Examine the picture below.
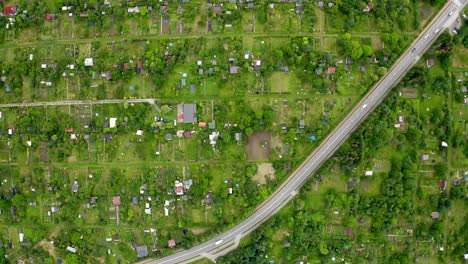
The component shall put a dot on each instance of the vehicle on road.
(436, 31)
(413, 50)
(218, 242)
(451, 13)
(364, 106)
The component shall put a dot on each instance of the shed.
(233, 70)
(75, 186)
(430, 63)
(142, 251)
(89, 62)
(435, 215)
(212, 125)
(301, 123)
(171, 243)
(116, 200)
(368, 173)
(331, 70)
(425, 157)
(71, 249)
(209, 199)
(443, 184)
(238, 136)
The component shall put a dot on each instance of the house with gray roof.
(212, 125)
(142, 251)
(190, 113)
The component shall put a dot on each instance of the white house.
(89, 62)
(71, 249)
(112, 122)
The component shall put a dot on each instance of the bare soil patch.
(258, 146)
(199, 230)
(72, 158)
(264, 171)
(409, 93)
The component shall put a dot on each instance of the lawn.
(280, 82)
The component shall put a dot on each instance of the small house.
(135, 200)
(180, 133)
(368, 173)
(435, 215)
(179, 188)
(430, 62)
(442, 184)
(209, 199)
(229, 191)
(50, 16)
(256, 64)
(212, 125)
(171, 243)
(139, 132)
(116, 200)
(169, 136)
(71, 249)
(75, 186)
(142, 251)
(238, 136)
(112, 122)
(213, 138)
(92, 200)
(89, 62)
(10, 10)
(188, 134)
(400, 119)
(202, 124)
(139, 65)
(11, 130)
(233, 70)
(425, 157)
(331, 70)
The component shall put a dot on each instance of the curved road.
(227, 241)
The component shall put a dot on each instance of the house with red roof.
(49, 16)
(10, 10)
(140, 66)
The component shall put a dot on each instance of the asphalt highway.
(222, 243)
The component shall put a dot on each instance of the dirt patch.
(409, 93)
(200, 230)
(280, 234)
(264, 171)
(44, 153)
(258, 146)
(72, 158)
